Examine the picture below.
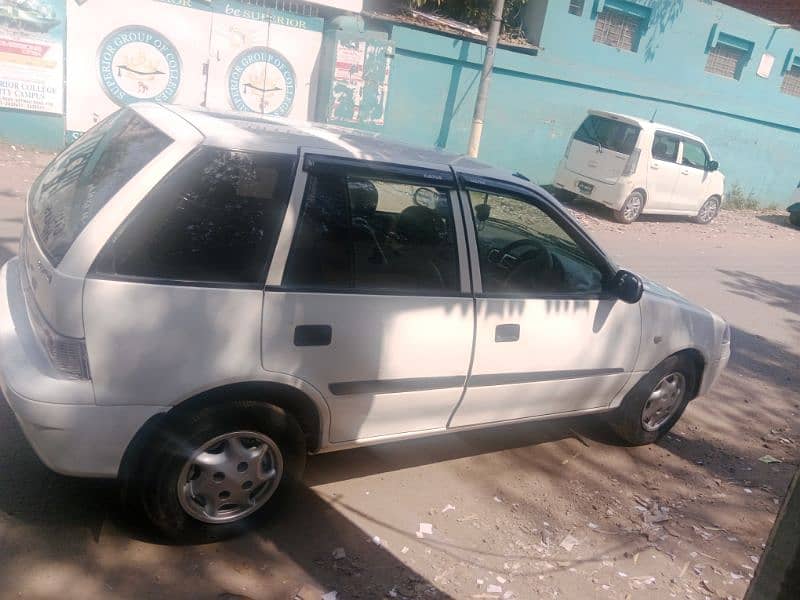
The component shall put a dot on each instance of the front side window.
(83, 178)
(694, 155)
(523, 251)
(608, 133)
(665, 147)
(215, 219)
(372, 234)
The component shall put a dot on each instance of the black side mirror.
(712, 165)
(627, 286)
(482, 212)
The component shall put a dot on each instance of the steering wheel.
(528, 266)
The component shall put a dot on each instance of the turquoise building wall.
(538, 98)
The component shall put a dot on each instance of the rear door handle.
(508, 332)
(313, 335)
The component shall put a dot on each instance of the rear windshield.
(608, 133)
(79, 182)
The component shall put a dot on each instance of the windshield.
(79, 182)
(608, 133)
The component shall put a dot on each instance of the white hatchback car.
(202, 299)
(637, 167)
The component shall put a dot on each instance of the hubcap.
(633, 207)
(664, 400)
(708, 211)
(230, 477)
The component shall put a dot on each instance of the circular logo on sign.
(138, 63)
(261, 80)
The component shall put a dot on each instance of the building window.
(618, 29)
(576, 7)
(725, 61)
(791, 81)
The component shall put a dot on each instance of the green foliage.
(736, 199)
(472, 12)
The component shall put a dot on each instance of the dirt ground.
(543, 510)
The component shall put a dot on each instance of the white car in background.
(637, 167)
(202, 299)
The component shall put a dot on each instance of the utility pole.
(486, 76)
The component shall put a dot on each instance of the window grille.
(576, 7)
(791, 81)
(724, 61)
(617, 29)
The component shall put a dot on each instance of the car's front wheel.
(708, 212)
(210, 474)
(630, 211)
(656, 403)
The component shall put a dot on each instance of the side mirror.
(712, 165)
(627, 286)
(482, 212)
(426, 197)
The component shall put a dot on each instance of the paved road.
(517, 493)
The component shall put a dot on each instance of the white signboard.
(32, 55)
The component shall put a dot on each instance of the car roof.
(645, 124)
(254, 132)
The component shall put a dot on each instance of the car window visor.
(333, 165)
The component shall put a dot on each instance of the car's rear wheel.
(632, 208)
(794, 218)
(213, 473)
(708, 212)
(656, 403)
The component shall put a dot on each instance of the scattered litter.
(338, 553)
(605, 587)
(330, 596)
(480, 581)
(573, 570)
(376, 540)
(736, 576)
(703, 534)
(496, 499)
(748, 491)
(419, 534)
(404, 550)
(693, 554)
(707, 586)
(754, 559)
(568, 543)
(425, 528)
(621, 574)
(508, 595)
(500, 579)
(393, 592)
(469, 518)
(683, 570)
(636, 558)
(494, 589)
(593, 526)
(769, 459)
(448, 507)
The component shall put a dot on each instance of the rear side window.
(373, 234)
(608, 133)
(82, 179)
(214, 220)
(665, 147)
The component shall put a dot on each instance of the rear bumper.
(611, 195)
(69, 433)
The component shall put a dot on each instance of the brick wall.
(780, 11)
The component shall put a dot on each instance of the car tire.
(631, 209)
(708, 212)
(241, 429)
(794, 218)
(565, 196)
(645, 416)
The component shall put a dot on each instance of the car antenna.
(653, 118)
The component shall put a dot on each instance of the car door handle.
(313, 335)
(508, 332)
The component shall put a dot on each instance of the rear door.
(662, 176)
(693, 181)
(601, 148)
(368, 298)
(548, 339)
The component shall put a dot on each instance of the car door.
(368, 297)
(548, 339)
(664, 171)
(693, 182)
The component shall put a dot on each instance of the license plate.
(585, 188)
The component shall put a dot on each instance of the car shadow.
(778, 219)
(597, 211)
